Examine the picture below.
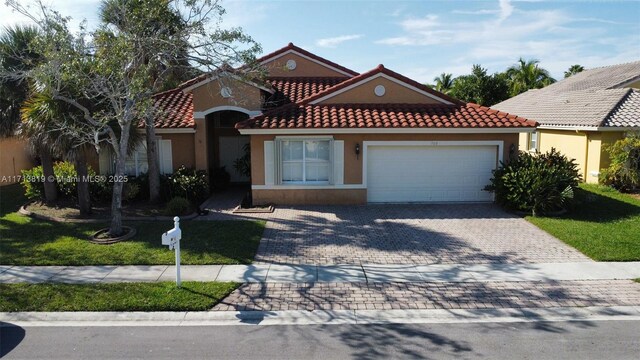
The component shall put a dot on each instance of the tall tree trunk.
(152, 159)
(118, 182)
(84, 200)
(50, 191)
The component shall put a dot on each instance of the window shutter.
(338, 162)
(166, 158)
(105, 160)
(269, 163)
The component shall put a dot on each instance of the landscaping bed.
(28, 241)
(604, 224)
(164, 296)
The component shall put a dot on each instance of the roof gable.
(362, 89)
(304, 62)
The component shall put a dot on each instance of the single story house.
(320, 133)
(582, 114)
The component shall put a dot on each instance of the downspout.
(586, 155)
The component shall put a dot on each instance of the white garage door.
(429, 173)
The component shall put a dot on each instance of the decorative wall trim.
(308, 187)
(203, 114)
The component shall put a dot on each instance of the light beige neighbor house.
(582, 114)
(14, 157)
(320, 133)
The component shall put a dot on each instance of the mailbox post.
(172, 239)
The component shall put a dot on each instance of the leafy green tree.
(17, 57)
(573, 69)
(527, 75)
(115, 71)
(443, 83)
(480, 88)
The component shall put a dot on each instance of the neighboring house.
(14, 157)
(323, 134)
(581, 114)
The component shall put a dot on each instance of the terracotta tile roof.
(306, 116)
(302, 51)
(176, 109)
(298, 88)
(380, 69)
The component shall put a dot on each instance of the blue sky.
(422, 39)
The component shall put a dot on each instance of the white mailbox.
(172, 239)
(173, 236)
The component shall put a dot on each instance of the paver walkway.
(366, 273)
(397, 234)
(429, 295)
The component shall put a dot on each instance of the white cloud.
(555, 37)
(335, 41)
(506, 9)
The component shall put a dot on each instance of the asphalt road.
(542, 340)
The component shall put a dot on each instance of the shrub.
(177, 206)
(66, 180)
(540, 184)
(624, 171)
(130, 191)
(100, 189)
(243, 163)
(187, 183)
(33, 183)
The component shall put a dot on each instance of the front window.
(533, 141)
(305, 161)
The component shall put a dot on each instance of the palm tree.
(444, 83)
(526, 75)
(573, 69)
(17, 57)
(39, 112)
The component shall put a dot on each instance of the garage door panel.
(429, 173)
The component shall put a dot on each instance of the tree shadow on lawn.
(593, 207)
(27, 241)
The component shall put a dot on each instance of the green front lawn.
(605, 224)
(165, 296)
(27, 241)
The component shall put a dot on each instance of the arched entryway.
(225, 144)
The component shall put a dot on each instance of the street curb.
(319, 317)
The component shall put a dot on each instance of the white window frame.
(280, 162)
(536, 142)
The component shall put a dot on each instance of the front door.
(230, 149)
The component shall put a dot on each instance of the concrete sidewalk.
(365, 273)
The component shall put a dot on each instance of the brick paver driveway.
(397, 234)
(407, 234)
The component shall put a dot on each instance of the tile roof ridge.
(170, 91)
(291, 46)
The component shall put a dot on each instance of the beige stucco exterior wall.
(586, 147)
(244, 95)
(182, 149)
(353, 166)
(394, 94)
(14, 157)
(523, 142)
(304, 67)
